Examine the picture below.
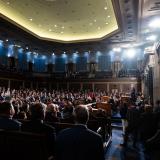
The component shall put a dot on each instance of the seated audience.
(22, 115)
(36, 125)
(67, 111)
(51, 113)
(6, 114)
(79, 143)
(25, 108)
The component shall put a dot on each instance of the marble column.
(81, 86)
(93, 87)
(50, 68)
(67, 85)
(9, 83)
(116, 67)
(23, 84)
(30, 66)
(156, 79)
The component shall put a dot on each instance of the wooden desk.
(105, 98)
(125, 99)
(104, 105)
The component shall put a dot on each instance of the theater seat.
(2, 143)
(60, 126)
(23, 146)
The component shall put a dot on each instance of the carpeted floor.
(116, 152)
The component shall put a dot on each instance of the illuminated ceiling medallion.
(41, 16)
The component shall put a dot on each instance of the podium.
(125, 99)
(106, 106)
(105, 98)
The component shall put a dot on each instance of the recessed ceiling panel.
(62, 20)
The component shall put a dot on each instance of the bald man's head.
(81, 114)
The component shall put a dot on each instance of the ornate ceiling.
(62, 20)
(148, 11)
(131, 16)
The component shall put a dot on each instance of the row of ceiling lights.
(129, 52)
(118, 49)
(35, 53)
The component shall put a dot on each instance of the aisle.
(116, 152)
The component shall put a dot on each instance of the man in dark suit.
(148, 124)
(79, 143)
(6, 114)
(133, 120)
(36, 125)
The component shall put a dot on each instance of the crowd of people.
(139, 119)
(60, 99)
(40, 108)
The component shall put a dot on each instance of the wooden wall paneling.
(16, 84)
(114, 87)
(102, 87)
(53, 86)
(43, 85)
(27, 84)
(126, 88)
(62, 85)
(74, 86)
(4, 83)
(34, 85)
(87, 86)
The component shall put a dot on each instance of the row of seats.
(21, 145)
(100, 125)
(30, 146)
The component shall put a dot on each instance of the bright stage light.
(155, 23)
(64, 55)
(75, 55)
(1, 43)
(44, 57)
(117, 49)
(130, 53)
(151, 38)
